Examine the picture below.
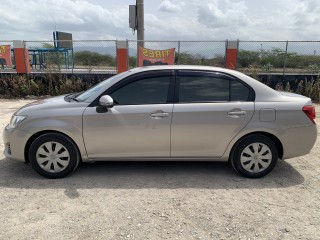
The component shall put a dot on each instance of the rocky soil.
(159, 200)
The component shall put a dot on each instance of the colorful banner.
(5, 55)
(149, 57)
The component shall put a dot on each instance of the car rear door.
(138, 125)
(210, 110)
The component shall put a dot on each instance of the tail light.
(310, 111)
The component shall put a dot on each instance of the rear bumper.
(298, 141)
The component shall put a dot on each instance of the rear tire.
(53, 155)
(254, 156)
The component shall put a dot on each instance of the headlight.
(15, 120)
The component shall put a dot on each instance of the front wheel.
(254, 156)
(53, 155)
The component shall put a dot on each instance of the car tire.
(254, 156)
(53, 155)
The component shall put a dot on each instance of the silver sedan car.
(165, 113)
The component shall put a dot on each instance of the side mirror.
(106, 101)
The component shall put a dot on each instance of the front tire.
(254, 156)
(53, 155)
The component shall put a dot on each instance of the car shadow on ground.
(140, 175)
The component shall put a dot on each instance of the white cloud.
(164, 19)
(169, 6)
(227, 14)
(86, 20)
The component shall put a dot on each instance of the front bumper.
(14, 142)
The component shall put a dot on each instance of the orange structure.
(21, 57)
(231, 54)
(122, 56)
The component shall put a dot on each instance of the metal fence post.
(225, 54)
(72, 56)
(285, 57)
(238, 44)
(24, 54)
(127, 43)
(178, 61)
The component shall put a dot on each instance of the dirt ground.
(159, 200)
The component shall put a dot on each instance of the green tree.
(88, 58)
(53, 56)
(247, 58)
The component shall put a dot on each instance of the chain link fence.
(285, 57)
(209, 53)
(99, 56)
(89, 56)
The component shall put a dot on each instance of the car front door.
(210, 109)
(138, 125)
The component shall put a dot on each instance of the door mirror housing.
(106, 101)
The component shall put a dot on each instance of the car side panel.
(291, 126)
(65, 120)
(127, 131)
(206, 129)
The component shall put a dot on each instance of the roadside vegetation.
(249, 62)
(53, 84)
(276, 60)
(22, 86)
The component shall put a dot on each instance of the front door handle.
(159, 114)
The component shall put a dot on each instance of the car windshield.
(102, 85)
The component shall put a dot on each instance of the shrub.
(20, 86)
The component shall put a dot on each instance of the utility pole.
(140, 22)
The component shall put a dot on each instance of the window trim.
(251, 97)
(140, 76)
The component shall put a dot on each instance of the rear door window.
(203, 89)
(210, 87)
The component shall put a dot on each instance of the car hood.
(52, 103)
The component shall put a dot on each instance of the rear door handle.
(159, 114)
(237, 113)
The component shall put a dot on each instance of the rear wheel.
(255, 156)
(53, 155)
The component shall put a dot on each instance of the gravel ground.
(159, 200)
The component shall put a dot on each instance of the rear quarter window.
(238, 91)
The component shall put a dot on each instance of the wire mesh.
(264, 56)
(44, 56)
(84, 56)
(95, 56)
(303, 57)
(208, 53)
(99, 56)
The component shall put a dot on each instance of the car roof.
(263, 92)
(181, 67)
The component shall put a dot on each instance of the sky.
(164, 19)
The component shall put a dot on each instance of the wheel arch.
(266, 134)
(38, 134)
